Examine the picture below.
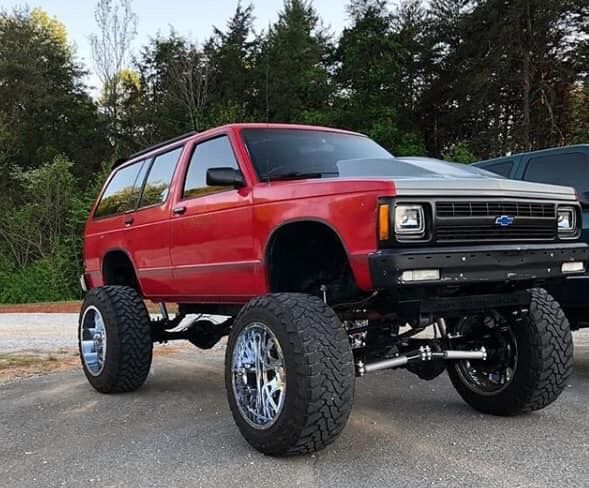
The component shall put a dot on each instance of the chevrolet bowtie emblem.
(504, 220)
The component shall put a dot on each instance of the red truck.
(327, 258)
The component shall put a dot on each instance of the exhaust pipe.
(424, 353)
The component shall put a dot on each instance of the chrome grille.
(490, 209)
(475, 221)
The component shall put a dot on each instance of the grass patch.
(9, 361)
(20, 365)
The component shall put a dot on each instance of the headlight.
(567, 220)
(409, 221)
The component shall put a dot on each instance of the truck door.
(212, 249)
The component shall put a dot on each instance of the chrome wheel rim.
(93, 340)
(258, 376)
(491, 377)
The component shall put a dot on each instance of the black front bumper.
(476, 264)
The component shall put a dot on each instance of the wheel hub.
(93, 340)
(258, 376)
(494, 375)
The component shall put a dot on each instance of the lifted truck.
(329, 259)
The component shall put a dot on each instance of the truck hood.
(445, 185)
(429, 187)
(416, 176)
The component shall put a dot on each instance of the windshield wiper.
(295, 175)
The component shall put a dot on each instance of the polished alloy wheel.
(258, 376)
(494, 375)
(93, 340)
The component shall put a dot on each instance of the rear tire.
(545, 359)
(114, 338)
(311, 378)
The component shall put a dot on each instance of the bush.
(46, 280)
(460, 152)
(41, 234)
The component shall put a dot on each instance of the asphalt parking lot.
(177, 431)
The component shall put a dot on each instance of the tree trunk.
(526, 99)
(526, 75)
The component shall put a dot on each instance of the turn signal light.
(384, 222)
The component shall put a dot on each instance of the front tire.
(536, 368)
(114, 338)
(289, 374)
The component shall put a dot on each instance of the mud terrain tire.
(319, 373)
(545, 361)
(128, 339)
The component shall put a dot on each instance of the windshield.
(299, 153)
(292, 153)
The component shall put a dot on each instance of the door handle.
(128, 220)
(179, 210)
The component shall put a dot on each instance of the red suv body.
(211, 247)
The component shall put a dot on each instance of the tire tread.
(125, 309)
(549, 347)
(324, 365)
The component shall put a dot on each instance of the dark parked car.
(568, 166)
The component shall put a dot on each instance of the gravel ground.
(50, 332)
(42, 332)
(38, 331)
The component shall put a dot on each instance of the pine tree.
(502, 73)
(230, 56)
(369, 76)
(292, 78)
(161, 111)
(410, 23)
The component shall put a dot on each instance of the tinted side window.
(503, 168)
(570, 169)
(123, 190)
(214, 153)
(159, 179)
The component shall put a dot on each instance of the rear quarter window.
(123, 190)
(157, 185)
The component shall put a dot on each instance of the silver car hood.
(427, 177)
(448, 186)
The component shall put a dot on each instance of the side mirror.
(584, 199)
(223, 176)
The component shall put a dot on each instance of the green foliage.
(579, 110)
(501, 73)
(47, 279)
(371, 96)
(230, 57)
(291, 75)
(40, 238)
(42, 97)
(460, 152)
